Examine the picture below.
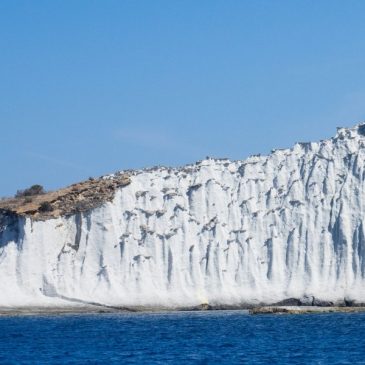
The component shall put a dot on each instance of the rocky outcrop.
(304, 310)
(76, 198)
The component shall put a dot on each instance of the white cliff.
(220, 232)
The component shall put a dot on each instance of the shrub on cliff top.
(45, 207)
(33, 190)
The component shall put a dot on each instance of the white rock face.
(220, 232)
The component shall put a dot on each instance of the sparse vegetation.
(45, 207)
(32, 191)
(34, 202)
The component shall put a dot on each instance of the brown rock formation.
(75, 198)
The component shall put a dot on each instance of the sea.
(207, 337)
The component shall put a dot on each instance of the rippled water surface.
(221, 337)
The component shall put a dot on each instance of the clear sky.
(92, 87)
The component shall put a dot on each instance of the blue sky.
(92, 87)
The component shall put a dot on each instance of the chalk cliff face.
(220, 232)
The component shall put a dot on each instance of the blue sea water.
(217, 337)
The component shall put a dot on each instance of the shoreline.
(257, 310)
(304, 310)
